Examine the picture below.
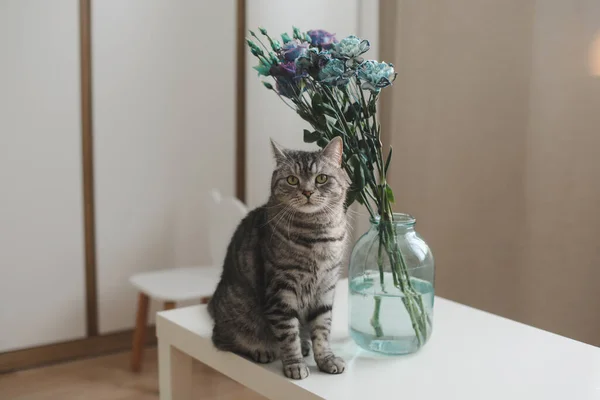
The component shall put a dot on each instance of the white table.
(471, 355)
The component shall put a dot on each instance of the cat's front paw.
(264, 356)
(332, 365)
(297, 370)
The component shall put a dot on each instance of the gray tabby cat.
(282, 264)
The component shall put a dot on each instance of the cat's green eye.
(292, 180)
(321, 178)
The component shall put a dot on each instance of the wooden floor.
(109, 378)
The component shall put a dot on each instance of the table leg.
(174, 373)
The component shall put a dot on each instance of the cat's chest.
(308, 294)
(310, 286)
(324, 244)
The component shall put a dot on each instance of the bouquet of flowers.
(329, 85)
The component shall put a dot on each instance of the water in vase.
(397, 335)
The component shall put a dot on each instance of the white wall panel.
(41, 227)
(164, 87)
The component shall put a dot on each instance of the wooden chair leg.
(169, 305)
(139, 335)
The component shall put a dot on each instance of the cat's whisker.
(282, 215)
(277, 214)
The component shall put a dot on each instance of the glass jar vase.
(391, 287)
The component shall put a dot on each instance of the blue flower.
(322, 38)
(376, 75)
(350, 49)
(312, 61)
(334, 73)
(293, 49)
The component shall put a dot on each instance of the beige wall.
(494, 127)
(562, 174)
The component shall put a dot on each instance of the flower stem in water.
(375, 319)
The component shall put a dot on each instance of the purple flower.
(287, 78)
(320, 37)
(284, 70)
(293, 49)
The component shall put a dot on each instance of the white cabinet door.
(41, 221)
(164, 87)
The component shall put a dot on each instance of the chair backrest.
(225, 215)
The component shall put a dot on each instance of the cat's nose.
(307, 193)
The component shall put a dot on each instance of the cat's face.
(310, 181)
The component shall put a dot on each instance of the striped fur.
(275, 296)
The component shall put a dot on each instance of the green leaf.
(358, 178)
(354, 160)
(304, 115)
(321, 107)
(256, 51)
(387, 162)
(372, 107)
(285, 37)
(316, 100)
(373, 146)
(360, 200)
(322, 122)
(263, 69)
(311, 137)
(322, 142)
(350, 198)
(340, 130)
(329, 110)
(364, 147)
(275, 45)
(353, 112)
(273, 58)
(389, 194)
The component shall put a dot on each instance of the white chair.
(188, 283)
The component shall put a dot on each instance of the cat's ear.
(278, 152)
(334, 150)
